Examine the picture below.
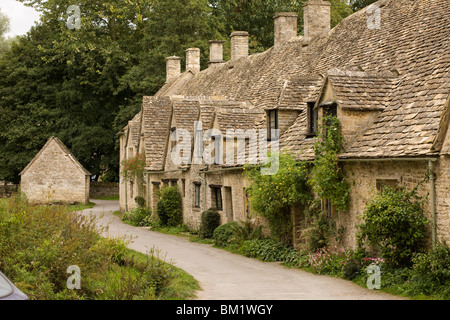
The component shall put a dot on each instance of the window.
(173, 138)
(216, 197)
(329, 208)
(313, 116)
(383, 183)
(197, 193)
(272, 124)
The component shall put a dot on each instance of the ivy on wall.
(299, 182)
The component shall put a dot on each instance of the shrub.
(266, 250)
(139, 217)
(210, 221)
(236, 232)
(169, 208)
(431, 272)
(329, 260)
(225, 234)
(140, 201)
(395, 224)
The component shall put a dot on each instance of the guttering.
(433, 159)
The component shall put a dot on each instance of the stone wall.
(104, 189)
(7, 190)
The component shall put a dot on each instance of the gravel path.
(226, 276)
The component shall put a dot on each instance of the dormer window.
(313, 117)
(272, 125)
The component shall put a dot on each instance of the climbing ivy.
(296, 183)
(327, 177)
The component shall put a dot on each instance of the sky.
(22, 18)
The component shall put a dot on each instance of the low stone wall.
(104, 189)
(7, 190)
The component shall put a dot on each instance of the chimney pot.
(193, 59)
(216, 51)
(317, 19)
(173, 68)
(239, 44)
(285, 27)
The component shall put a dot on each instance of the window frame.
(216, 197)
(313, 119)
(197, 194)
(270, 114)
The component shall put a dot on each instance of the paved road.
(226, 276)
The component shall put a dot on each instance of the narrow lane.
(226, 276)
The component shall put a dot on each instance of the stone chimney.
(193, 59)
(173, 68)
(216, 52)
(285, 27)
(317, 19)
(239, 44)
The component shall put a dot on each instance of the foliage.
(134, 167)
(210, 220)
(169, 208)
(394, 222)
(236, 232)
(38, 244)
(360, 4)
(329, 260)
(225, 234)
(319, 231)
(431, 272)
(273, 195)
(139, 217)
(256, 17)
(265, 249)
(327, 178)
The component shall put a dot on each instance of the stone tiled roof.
(362, 90)
(405, 74)
(158, 114)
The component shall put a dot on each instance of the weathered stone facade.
(388, 86)
(55, 176)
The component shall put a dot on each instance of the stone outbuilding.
(55, 176)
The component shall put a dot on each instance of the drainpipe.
(126, 195)
(433, 202)
(148, 190)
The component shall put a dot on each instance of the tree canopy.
(84, 84)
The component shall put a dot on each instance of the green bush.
(39, 243)
(139, 217)
(236, 232)
(394, 223)
(169, 208)
(266, 250)
(431, 272)
(140, 201)
(225, 234)
(210, 221)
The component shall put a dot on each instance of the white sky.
(22, 18)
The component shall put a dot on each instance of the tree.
(4, 28)
(360, 4)
(256, 17)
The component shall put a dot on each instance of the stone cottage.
(55, 176)
(383, 71)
